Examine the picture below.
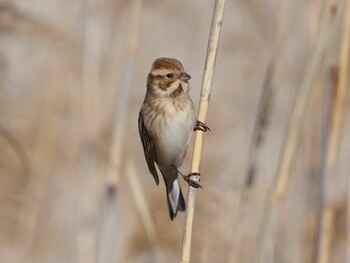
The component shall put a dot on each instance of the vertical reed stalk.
(268, 94)
(325, 242)
(123, 97)
(87, 238)
(214, 36)
(337, 116)
(301, 100)
(266, 102)
(268, 228)
(120, 98)
(340, 96)
(324, 221)
(142, 207)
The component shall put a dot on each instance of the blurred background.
(74, 185)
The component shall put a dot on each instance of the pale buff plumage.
(166, 122)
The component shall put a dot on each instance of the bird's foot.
(192, 182)
(188, 179)
(201, 126)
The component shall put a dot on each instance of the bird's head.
(167, 78)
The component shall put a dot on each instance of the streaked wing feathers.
(148, 148)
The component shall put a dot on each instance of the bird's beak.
(185, 76)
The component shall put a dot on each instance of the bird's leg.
(201, 126)
(192, 182)
(188, 179)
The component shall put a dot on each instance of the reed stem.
(214, 36)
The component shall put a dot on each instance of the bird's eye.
(169, 76)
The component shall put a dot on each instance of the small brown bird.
(166, 122)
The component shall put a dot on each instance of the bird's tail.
(176, 201)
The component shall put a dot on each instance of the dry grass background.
(74, 186)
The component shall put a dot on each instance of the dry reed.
(214, 36)
(120, 110)
(268, 228)
(144, 211)
(128, 61)
(341, 92)
(335, 117)
(261, 125)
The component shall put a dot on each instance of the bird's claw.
(188, 179)
(192, 182)
(201, 126)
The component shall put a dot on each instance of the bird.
(166, 122)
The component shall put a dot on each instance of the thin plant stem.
(113, 172)
(293, 132)
(261, 124)
(340, 98)
(336, 117)
(268, 228)
(214, 36)
(120, 94)
(268, 94)
(325, 242)
(144, 210)
(324, 230)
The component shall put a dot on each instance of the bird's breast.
(174, 128)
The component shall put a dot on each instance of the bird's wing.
(148, 148)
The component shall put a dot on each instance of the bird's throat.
(178, 91)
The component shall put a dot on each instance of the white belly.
(173, 141)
